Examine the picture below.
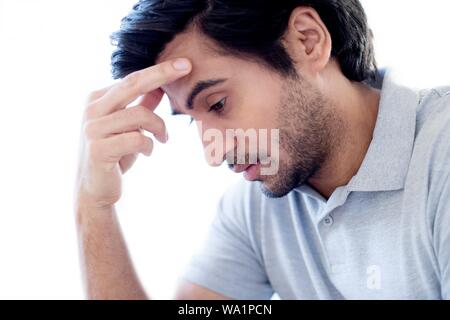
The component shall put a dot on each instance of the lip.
(242, 168)
(252, 173)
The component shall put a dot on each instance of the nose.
(215, 144)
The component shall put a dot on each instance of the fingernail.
(167, 136)
(181, 64)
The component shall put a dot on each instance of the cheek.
(269, 142)
(251, 104)
(265, 108)
(257, 114)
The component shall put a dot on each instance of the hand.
(112, 135)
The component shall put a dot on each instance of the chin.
(275, 192)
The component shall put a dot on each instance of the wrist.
(88, 211)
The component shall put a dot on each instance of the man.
(359, 207)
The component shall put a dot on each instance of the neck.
(358, 106)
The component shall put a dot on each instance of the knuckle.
(137, 139)
(133, 114)
(90, 111)
(94, 95)
(89, 130)
(144, 115)
(151, 120)
(158, 125)
(131, 80)
(143, 118)
(147, 124)
(164, 70)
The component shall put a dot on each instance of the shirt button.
(328, 221)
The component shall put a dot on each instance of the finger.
(112, 149)
(127, 162)
(97, 94)
(127, 120)
(89, 111)
(151, 100)
(140, 83)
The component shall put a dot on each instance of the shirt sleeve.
(227, 262)
(442, 239)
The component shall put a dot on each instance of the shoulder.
(433, 128)
(430, 165)
(433, 111)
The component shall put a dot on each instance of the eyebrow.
(198, 88)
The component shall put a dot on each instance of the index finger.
(140, 83)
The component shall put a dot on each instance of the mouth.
(250, 171)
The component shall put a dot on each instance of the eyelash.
(215, 108)
(218, 110)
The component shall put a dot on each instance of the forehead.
(189, 44)
(206, 62)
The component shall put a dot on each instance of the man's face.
(245, 96)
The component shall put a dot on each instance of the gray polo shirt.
(385, 235)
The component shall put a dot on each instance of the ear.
(307, 40)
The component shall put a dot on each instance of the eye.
(218, 107)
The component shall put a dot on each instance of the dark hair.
(251, 28)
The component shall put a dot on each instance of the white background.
(52, 53)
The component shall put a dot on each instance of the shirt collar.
(386, 164)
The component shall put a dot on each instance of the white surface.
(52, 53)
